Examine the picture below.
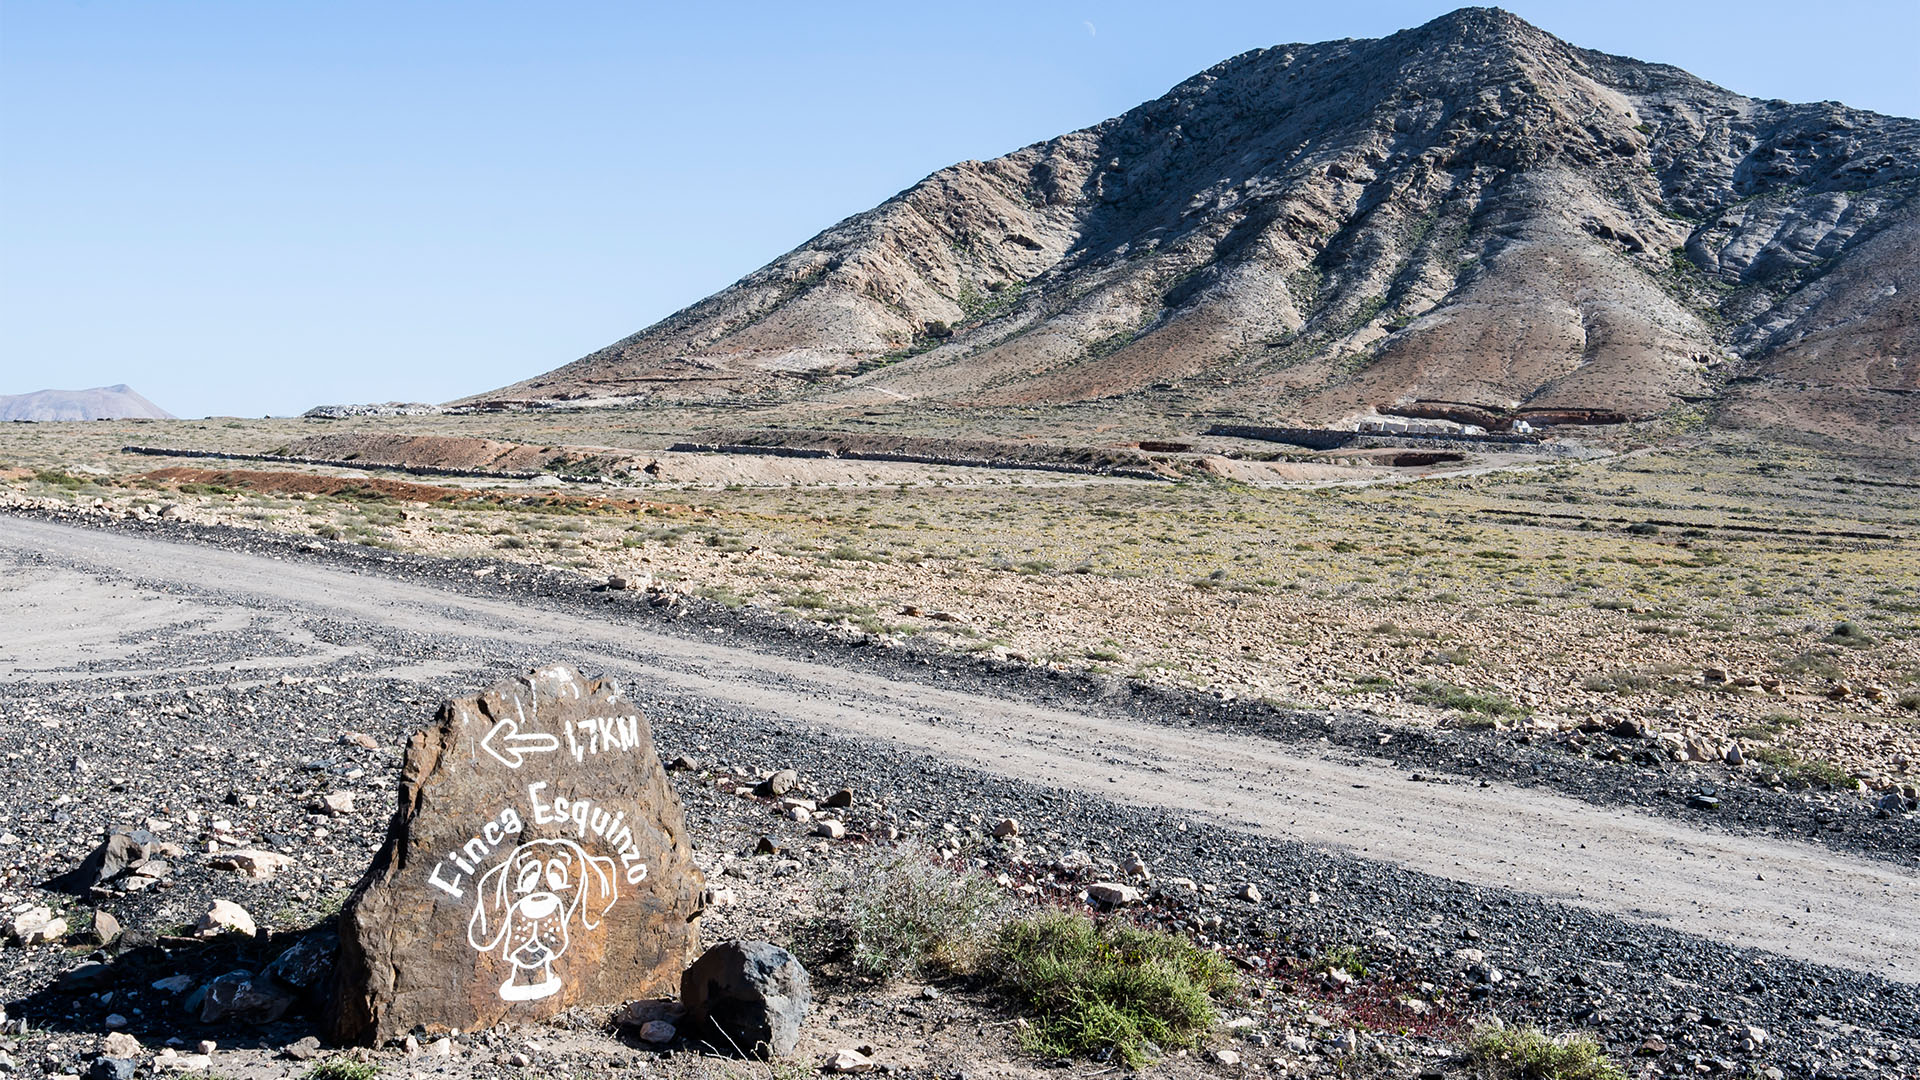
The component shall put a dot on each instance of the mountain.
(1470, 212)
(117, 402)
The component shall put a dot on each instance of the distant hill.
(117, 402)
(1471, 213)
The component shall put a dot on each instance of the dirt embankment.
(462, 452)
(1119, 461)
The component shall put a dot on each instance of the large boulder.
(746, 997)
(538, 861)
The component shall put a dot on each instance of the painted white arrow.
(514, 746)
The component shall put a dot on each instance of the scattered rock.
(841, 799)
(359, 739)
(36, 926)
(119, 1044)
(333, 804)
(747, 996)
(683, 763)
(832, 830)
(112, 1068)
(106, 928)
(1112, 894)
(251, 862)
(1225, 1057)
(225, 917)
(1006, 829)
(305, 1049)
(244, 997)
(658, 1032)
(848, 1061)
(307, 965)
(1248, 892)
(779, 783)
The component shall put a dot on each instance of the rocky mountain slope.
(116, 402)
(1472, 211)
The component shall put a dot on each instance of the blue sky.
(249, 208)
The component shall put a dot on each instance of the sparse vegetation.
(905, 914)
(1093, 986)
(340, 1068)
(1524, 1053)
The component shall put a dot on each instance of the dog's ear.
(596, 892)
(489, 923)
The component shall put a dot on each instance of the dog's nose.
(539, 905)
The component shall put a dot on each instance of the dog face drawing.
(527, 906)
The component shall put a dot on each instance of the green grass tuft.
(1094, 986)
(1529, 1054)
(342, 1069)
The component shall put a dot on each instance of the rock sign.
(538, 860)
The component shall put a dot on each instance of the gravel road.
(1792, 898)
(1769, 930)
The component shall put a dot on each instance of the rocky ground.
(167, 736)
(1735, 601)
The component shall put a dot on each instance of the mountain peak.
(1470, 211)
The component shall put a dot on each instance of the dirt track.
(1800, 900)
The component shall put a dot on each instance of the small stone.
(225, 917)
(244, 997)
(184, 1062)
(848, 1061)
(800, 814)
(174, 984)
(1226, 1057)
(84, 978)
(112, 1068)
(1733, 756)
(106, 928)
(1714, 675)
(115, 1021)
(1136, 867)
(37, 926)
(658, 1032)
(333, 804)
(780, 782)
(121, 1045)
(832, 830)
(441, 1047)
(359, 739)
(1298, 1044)
(841, 799)
(1757, 1035)
(251, 863)
(1248, 892)
(683, 763)
(1006, 829)
(1112, 894)
(207, 1046)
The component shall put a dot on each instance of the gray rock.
(122, 849)
(1110, 894)
(309, 963)
(112, 1068)
(244, 997)
(779, 783)
(747, 997)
